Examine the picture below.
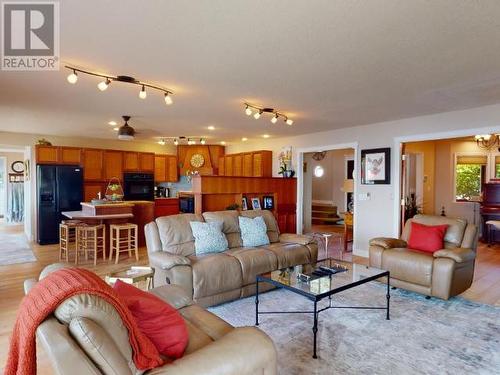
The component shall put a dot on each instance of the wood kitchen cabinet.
(91, 190)
(93, 163)
(247, 164)
(47, 154)
(166, 207)
(130, 161)
(166, 168)
(113, 164)
(70, 155)
(146, 162)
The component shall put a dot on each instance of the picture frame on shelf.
(244, 204)
(268, 202)
(255, 203)
(376, 166)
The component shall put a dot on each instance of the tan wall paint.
(427, 149)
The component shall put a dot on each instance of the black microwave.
(138, 186)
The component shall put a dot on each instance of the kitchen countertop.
(116, 204)
(81, 215)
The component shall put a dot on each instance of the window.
(319, 171)
(470, 175)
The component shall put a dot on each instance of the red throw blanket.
(43, 299)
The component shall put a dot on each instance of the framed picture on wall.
(244, 204)
(256, 203)
(376, 166)
(268, 202)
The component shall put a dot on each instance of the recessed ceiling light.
(112, 123)
(211, 127)
(116, 129)
(266, 136)
(244, 139)
(222, 143)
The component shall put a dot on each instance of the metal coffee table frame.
(317, 298)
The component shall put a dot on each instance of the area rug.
(14, 248)
(422, 337)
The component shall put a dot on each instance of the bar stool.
(90, 238)
(123, 237)
(67, 237)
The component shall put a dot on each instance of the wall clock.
(197, 160)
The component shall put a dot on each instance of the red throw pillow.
(429, 238)
(159, 321)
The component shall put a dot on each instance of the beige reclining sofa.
(212, 279)
(444, 274)
(86, 336)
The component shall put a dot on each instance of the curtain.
(15, 203)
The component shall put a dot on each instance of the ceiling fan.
(126, 132)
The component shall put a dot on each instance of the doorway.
(327, 200)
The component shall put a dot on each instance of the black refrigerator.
(59, 188)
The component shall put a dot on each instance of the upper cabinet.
(247, 164)
(70, 155)
(47, 154)
(93, 163)
(166, 168)
(113, 164)
(130, 161)
(146, 162)
(138, 161)
(58, 155)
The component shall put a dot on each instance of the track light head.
(289, 121)
(176, 142)
(103, 85)
(202, 141)
(168, 99)
(161, 142)
(143, 94)
(274, 119)
(257, 115)
(248, 111)
(73, 77)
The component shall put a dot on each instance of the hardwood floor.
(485, 289)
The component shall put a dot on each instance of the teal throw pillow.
(208, 237)
(253, 231)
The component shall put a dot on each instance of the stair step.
(329, 219)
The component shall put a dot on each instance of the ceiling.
(328, 64)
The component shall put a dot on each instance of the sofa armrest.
(166, 260)
(300, 239)
(173, 295)
(243, 351)
(458, 254)
(388, 243)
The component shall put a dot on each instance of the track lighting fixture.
(103, 85)
(107, 78)
(260, 110)
(176, 142)
(143, 94)
(202, 141)
(168, 99)
(72, 78)
(161, 142)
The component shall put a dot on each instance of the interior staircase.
(324, 214)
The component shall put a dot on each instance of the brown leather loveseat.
(444, 274)
(216, 278)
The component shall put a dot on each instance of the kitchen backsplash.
(175, 187)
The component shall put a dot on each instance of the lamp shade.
(348, 186)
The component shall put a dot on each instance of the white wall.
(378, 215)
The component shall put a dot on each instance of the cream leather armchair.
(85, 335)
(444, 274)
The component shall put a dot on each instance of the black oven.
(138, 186)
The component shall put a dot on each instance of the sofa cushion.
(289, 254)
(230, 226)
(253, 231)
(428, 238)
(273, 231)
(409, 265)
(454, 233)
(254, 261)
(215, 273)
(158, 320)
(175, 233)
(208, 237)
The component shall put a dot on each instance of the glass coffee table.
(321, 280)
